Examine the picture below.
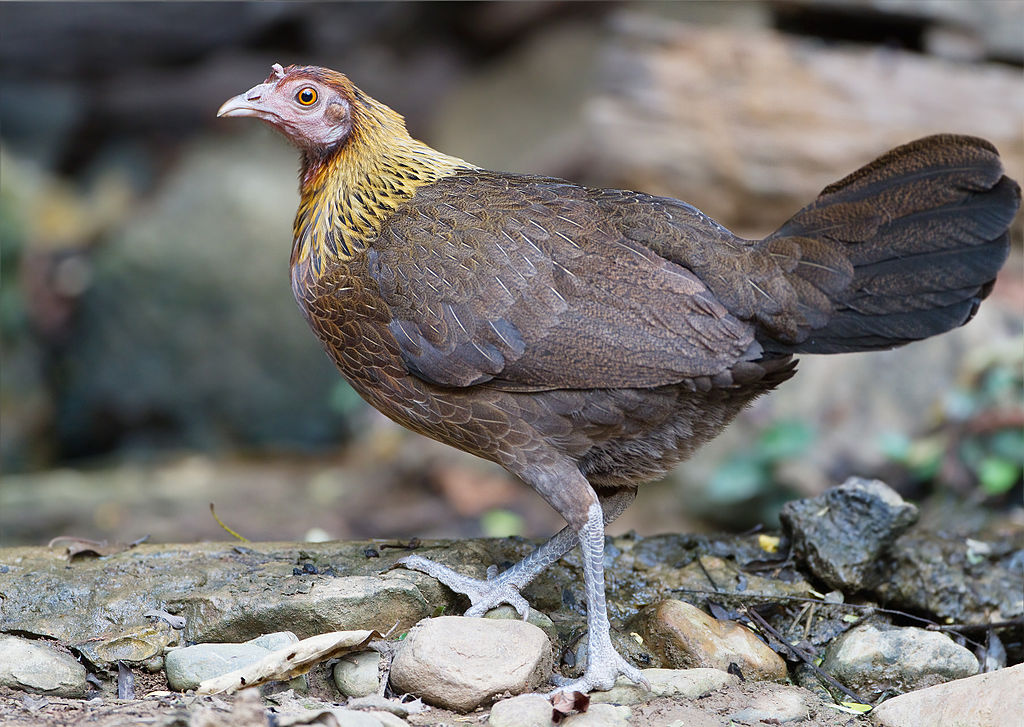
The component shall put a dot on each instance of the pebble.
(782, 705)
(460, 663)
(358, 675)
(600, 715)
(840, 534)
(995, 699)
(683, 637)
(31, 666)
(341, 718)
(686, 683)
(871, 660)
(187, 667)
(526, 710)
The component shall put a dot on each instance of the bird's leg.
(604, 663)
(504, 588)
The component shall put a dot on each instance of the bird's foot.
(497, 590)
(603, 668)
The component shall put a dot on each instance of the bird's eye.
(306, 96)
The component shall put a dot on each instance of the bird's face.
(301, 103)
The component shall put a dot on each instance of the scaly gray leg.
(604, 663)
(504, 588)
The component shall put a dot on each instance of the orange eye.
(306, 96)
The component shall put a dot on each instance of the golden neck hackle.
(347, 196)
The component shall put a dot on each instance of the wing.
(526, 282)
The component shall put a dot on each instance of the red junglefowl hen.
(589, 339)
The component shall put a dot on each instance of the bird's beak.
(250, 103)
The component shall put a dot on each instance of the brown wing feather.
(525, 282)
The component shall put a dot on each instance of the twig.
(801, 655)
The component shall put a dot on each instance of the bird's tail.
(902, 249)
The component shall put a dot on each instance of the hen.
(589, 339)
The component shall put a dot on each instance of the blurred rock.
(983, 700)
(685, 637)
(872, 660)
(189, 666)
(749, 125)
(841, 534)
(189, 333)
(460, 663)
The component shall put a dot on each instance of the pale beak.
(249, 103)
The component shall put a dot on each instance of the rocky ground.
(850, 605)
(154, 363)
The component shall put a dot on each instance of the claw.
(483, 594)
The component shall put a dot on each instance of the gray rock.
(460, 663)
(274, 641)
(685, 637)
(342, 718)
(526, 710)
(871, 660)
(600, 715)
(944, 577)
(334, 604)
(841, 534)
(995, 699)
(187, 667)
(685, 683)
(358, 675)
(33, 667)
(535, 617)
(781, 705)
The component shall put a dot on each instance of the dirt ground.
(164, 709)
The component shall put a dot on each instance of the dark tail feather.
(902, 249)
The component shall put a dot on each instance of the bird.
(588, 340)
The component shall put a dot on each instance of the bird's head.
(311, 106)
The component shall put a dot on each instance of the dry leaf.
(290, 661)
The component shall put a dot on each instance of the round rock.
(685, 637)
(526, 710)
(33, 667)
(358, 675)
(460, 663)
(871, 660)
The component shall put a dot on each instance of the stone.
(526, 710)
(34, 667)
(600, 715)
(358, 675)
(535, 617)
(995, 699)
(460, 663)
(871, 660)
(841, 534)
(141, 644)
(781, 705)
(187, 667)
(945, 576)
(274, 641)
(685, 683)
(684, 637)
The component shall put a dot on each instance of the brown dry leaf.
(290, 661)
(84, 547)
(565, 704)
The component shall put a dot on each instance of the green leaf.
(785, 440)
(997, 475)
(738, 479)
(501, 524)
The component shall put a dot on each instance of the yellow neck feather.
(347, 197)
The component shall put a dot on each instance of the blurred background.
(153, 360)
